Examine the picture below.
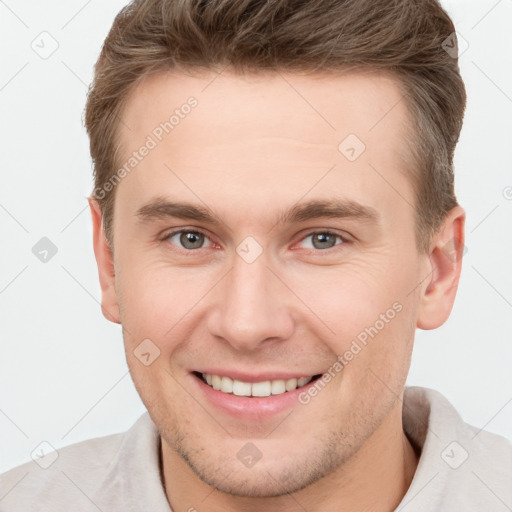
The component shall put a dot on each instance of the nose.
(253, 306)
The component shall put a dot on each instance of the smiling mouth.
(254, 389)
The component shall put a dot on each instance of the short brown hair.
(405, 38)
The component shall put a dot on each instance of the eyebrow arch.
(332, 208)
(161, 208)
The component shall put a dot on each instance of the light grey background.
(63, 372)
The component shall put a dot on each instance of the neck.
(375, 479)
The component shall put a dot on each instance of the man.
(273, 218)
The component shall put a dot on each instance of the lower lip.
(250, 408)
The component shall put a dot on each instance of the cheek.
(157, 299)
(162, 303)
(350, 297)
(152, 303)
(365, 313)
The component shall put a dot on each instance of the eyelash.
(343, 240)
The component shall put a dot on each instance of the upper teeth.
(265, 388)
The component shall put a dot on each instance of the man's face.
(262, 293)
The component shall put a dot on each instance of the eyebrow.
(161, 208)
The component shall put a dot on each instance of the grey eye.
(322, 240)
(188, 239)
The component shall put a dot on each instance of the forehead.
(275, 135)
(265, 103)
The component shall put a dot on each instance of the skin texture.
(252, 148)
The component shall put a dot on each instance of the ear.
(445, 263)
(105, 262)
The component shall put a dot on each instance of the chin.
(259, 484)
(267, 478)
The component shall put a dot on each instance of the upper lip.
(256, 377)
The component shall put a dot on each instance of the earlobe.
(105, 263)
(447, 250)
